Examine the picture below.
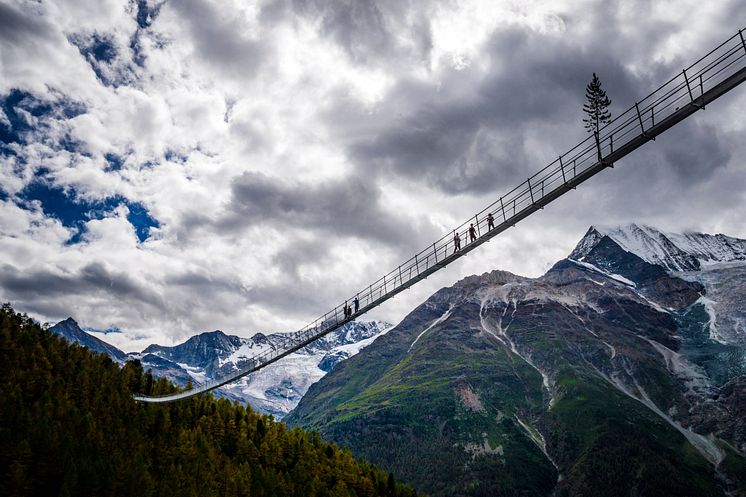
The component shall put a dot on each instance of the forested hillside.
(69, 427)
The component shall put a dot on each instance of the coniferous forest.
(69, 427)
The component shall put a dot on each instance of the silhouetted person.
(357, 304)
(490, 221)
(456, 243)
(472, 233)
(346, 309)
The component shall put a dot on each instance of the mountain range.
(275, 389)
(621, 371)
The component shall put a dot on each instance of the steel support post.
(597, 136)
(689, 89)
(639, 118)
(702, 92)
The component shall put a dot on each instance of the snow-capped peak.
(674, 251)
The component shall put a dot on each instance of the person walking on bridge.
(472, 233)
(490, 221)
(456, 242)
(357, 304)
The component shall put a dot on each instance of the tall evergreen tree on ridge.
(597, 106)
(597, 110)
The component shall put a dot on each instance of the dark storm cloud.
(694, 151)
(16, 26)
(535, 77)
(359, 27)
(294, 255)
(469, 133)
(220, 38)
(369, 31)
(345, 207)
(474, 131)
(93, 279)
(680, 176)
(290, 298)
(203, 282)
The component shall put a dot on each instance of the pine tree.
(597, 106)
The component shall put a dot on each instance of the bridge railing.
(685, 89)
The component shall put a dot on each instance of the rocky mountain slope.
(274, 390)
(609, 375)
(73, 333)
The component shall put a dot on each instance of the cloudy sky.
(179, 166)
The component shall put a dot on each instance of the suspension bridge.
(692, 90)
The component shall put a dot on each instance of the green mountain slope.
(69, 427)
(443, 424)
(502, 385)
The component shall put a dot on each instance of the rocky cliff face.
(605, 376)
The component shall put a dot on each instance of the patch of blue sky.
(17, 104)
(173, 156)
(113, 329)
(114, 162)
(100, 51)
(73, 211)
(146, 14)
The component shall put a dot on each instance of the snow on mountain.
(204, 350)
(716, 262)
(275, 389)
(711, 249)
(723, 301)
(617, 277)
(673, 251)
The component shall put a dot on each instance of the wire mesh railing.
(644, 119)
